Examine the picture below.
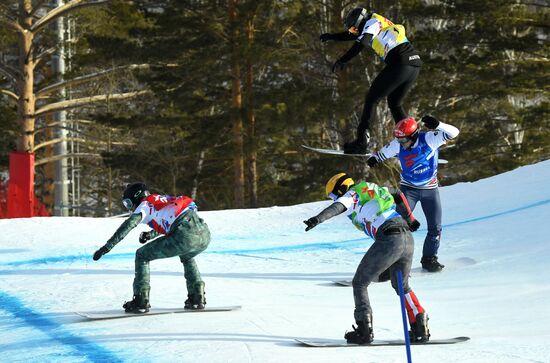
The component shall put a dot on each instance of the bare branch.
(12, 25)
(9, 73)
(39, 58)
(60, 157)
(10, 94)
(56, 141)
(63, 9)
(63, 105)
(87, 78)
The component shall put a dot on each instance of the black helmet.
(355, 17)
(133, 195)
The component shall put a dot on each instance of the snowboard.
(418, 271)
(341, 153)
(119, 314)
(333, 151)
(333, 343)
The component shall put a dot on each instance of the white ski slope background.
(496, 288)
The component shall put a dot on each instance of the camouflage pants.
(185, 240)
(392, 249)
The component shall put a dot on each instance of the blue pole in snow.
(404, 315)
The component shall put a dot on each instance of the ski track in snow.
(345, 244)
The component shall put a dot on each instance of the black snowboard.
(119, 314)
(332, 343)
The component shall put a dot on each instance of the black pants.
(393, 248)
(393, 82)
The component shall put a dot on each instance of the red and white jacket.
(160, 211)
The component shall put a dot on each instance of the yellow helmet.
(338, 185)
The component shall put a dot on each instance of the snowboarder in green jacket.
(384, 216)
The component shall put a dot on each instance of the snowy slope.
(495, 288)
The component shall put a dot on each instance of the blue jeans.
(431, 205)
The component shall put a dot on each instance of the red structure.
(19, 201)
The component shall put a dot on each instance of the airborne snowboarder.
(389, 42)
(184, 234)
(374, 210)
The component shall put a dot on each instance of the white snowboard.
(341, 153)
(333, 151)
(118, 314)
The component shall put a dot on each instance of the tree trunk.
(236, 108)
(251, 121)
(26, 106)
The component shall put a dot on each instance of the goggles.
(333, 196)
(403, 140)
(127, 203)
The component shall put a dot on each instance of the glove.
(431, 122)
(312, 222)
(144, 237)
(97, 255)
(372, 161)
(325, 37)
(413, 225)
(338, 65)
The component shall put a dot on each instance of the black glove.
(413, 225)
(430, 122)
(372, 161)
(97, 255)
(338, 65)
(312, 222)
(144, 237)
(325, 37)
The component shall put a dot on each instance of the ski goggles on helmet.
(127, 203)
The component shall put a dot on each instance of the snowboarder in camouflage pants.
(373, 210)
(184, 235)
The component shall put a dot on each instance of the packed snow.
(495, 288)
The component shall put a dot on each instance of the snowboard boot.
(196, 299)
(357, 146)
(138, 305)
(195, 302)
(362, 334)
(431, 264)
(419, 329)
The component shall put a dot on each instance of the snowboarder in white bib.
(184, 234)
(390, 43)
(383, 216)
(418, 154)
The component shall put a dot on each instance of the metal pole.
(61, 180)
(404, 315)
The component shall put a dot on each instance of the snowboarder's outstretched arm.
(331, 211)
(402, 207)
(339, 37)
(120, 233)
(352, 52)
(388, 151)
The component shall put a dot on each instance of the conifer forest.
(214, 99)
